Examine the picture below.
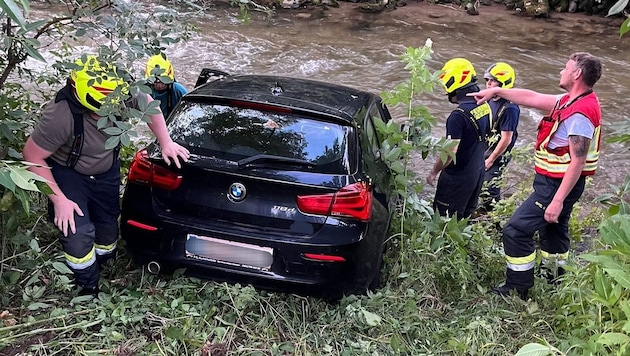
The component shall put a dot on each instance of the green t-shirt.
(55, 133)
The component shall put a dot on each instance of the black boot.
(507, 290)
(93, 291)
(519, 281)
(552, 277)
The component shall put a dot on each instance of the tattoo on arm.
(580, 145)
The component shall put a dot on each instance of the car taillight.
(353, 201)
(142, 170)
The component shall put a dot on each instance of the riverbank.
(422, 13)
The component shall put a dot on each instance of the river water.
(361, 50)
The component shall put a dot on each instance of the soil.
(420, 12)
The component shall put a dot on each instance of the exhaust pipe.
(154, 267)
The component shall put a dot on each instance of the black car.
(284, 189)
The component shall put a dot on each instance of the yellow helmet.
(456, 74)
(502, 73)
(92, 82)
(159, 61)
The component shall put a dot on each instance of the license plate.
(229, 252)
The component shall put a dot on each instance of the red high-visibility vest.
(554, 162)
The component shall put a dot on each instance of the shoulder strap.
(77, 111)
(169, 98)
(480, 135)
(496, 123)
(500, 113)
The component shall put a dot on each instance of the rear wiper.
(274, 160)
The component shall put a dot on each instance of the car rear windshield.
(236, 134)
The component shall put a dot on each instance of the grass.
(434, 301)
(142, 314)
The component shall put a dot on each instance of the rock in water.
(537, 8)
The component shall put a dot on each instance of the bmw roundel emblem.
(237, 192)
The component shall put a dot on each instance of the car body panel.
(234, 213)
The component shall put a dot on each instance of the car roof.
(295, 93)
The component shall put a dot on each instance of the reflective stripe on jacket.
(554, 162)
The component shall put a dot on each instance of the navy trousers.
(518, 233)
(97, 231)
(458, 194)
(492, 181)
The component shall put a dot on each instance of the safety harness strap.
(495, 124)
(480, 135)
(77, 111)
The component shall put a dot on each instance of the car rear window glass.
(235, 133)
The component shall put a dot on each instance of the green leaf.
(6, 181)
(534, 349)
(26, 6)
(112, 142)
(616, 231)
(23, 178)
(31, 26)
(175, 333)
(370, 318)
(604, 261)
(34, 245)
(61, 268)
(625, 27)
(43, 187)
(20, 239)
(604, 197)
(12, 277)
(38, 305)
(31, 51)
(13, 11)
(125, 140)
(24, 198)
(601, 284)
(135, 113)
(102, 122)
(618, 7)
(394, 154)
(112, 131)
(620, 276)
(613, 339)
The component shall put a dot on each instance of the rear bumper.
(289, 272)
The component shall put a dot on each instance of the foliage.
(115, 33)
(617, 8)
(616, 200)
(245, 6)
(399, 148)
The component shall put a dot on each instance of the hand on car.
(172, 151)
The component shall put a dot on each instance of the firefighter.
(566, 152)
(68, 148)
(460, 180)
(503, 134)
(160, 77)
